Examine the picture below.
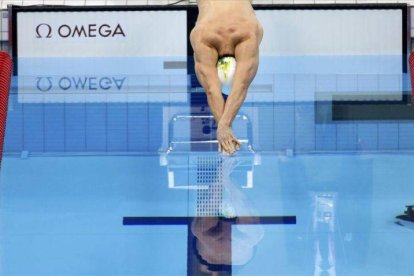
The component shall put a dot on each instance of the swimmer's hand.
(227, 142)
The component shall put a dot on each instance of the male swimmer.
(226, 41)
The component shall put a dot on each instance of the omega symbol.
(43, 30)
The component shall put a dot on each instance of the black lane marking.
(130, 221)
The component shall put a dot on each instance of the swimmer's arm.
(208, 78)
(245, 73)
(205, 58)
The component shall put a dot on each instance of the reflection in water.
(225, 229)
(324, 231)
(333, 198)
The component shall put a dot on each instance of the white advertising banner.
(164, 33)
(102, 34)
(331, 32)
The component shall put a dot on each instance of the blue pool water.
(314, 189)
(63, 216)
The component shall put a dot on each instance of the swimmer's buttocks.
(226, 68)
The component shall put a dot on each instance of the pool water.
(130, 182)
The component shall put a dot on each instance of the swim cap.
(226, 67)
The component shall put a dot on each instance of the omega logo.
(45, 30)
(65, 83)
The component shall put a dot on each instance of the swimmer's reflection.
(226, 230)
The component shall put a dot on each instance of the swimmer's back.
(222, 24)
(212, 10)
